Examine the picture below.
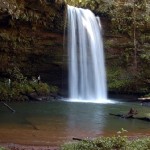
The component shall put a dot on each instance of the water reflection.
(85, 118)
(55, 122)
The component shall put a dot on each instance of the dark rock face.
(31, 38)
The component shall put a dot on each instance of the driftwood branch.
(122, 116)
(77, 139)
(83, 140)
(11, 109)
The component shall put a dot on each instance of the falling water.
(87, 77)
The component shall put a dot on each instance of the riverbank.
(38, 146)
(12, 142)
(12, 146)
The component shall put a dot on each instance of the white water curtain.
(87, 77)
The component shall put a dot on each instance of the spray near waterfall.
(87, 75)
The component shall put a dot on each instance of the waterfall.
(87, 77)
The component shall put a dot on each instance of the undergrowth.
(117, 142)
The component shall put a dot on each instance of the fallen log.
(77, 139)
(131, 117)
(122, 116)
(83, 140)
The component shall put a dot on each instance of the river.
(53, 123)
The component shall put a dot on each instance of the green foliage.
(98, 6)
(147, 95)
(119, 80)
(128, 15)
(41, 88)
(102, 143)
(53, 89)
(145, 55)
(17, 11)
(17, 87)
(13, 92)
(16, 75)
(1, 148)
(139, 144)
(110, 143)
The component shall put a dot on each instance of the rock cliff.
(31, 38)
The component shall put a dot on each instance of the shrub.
(17, 87)
(118, 142)
(1, 148)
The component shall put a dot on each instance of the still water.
(52, 123)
